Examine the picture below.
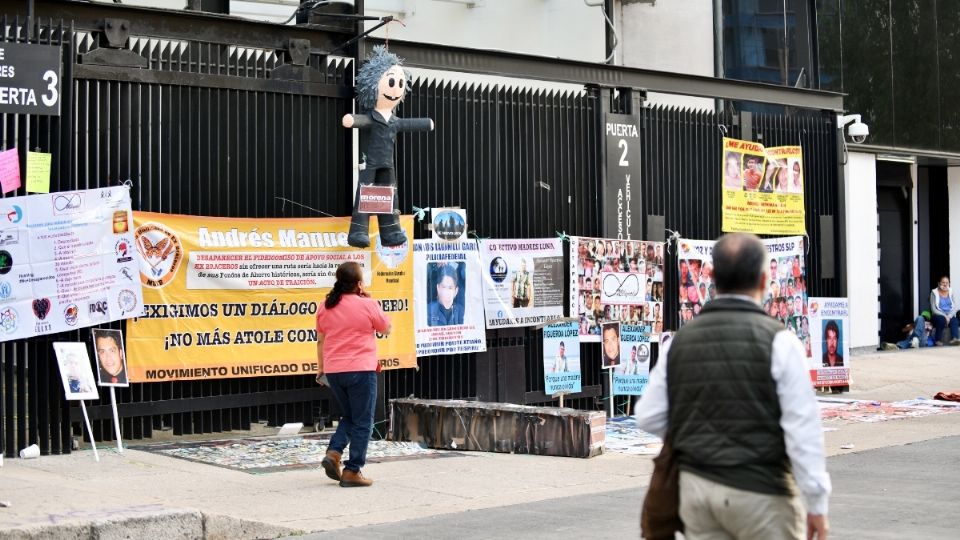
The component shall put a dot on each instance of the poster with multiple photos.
(785, 298)
(615, 281)
(762, 188)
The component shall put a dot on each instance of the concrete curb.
(166, 525)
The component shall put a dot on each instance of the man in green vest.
(522, 290)
(733, 391)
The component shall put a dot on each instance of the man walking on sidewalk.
(734, 392)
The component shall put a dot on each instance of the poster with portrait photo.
(630, 378)
(522, 281)
(75, 371)
(448, 298)
(828, 344)
(613, 281)
(610, 345)
(111, 357)
(561, 359)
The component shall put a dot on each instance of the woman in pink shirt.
(347, 357)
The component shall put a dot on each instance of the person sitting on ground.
(917, 333)
(944, 305)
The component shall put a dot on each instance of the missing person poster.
(786, 296)
(522, 281)
(762, 188)
(786, 293)
(448, 298)
(695, 265)
(828, 348)
(75, 372)
(615, 281)
(229, 297)
(66, 262)
(561, 359)
(630, 378)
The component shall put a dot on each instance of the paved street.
(897, 492)
(892, 479)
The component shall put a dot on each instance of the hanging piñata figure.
(381, 84)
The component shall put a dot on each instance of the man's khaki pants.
(712, 511)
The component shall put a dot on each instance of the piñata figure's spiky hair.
(368, 76)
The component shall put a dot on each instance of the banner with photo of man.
(448, 298)
(828, 348)
(762, 188)
(630, 378)
(615, 281)
(785, 298)
(561, 359)
(522, 281)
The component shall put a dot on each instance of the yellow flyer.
(762, 188)
(227, 297)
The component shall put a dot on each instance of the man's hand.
(817, 527)
(321, 379)
(348, 120)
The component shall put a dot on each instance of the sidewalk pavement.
(141, 494)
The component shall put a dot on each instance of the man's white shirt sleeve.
(800, 416)
(652, 411)
(800, 421)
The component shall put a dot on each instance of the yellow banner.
(230, 298)
(762, 188)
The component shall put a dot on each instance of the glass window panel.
(866, 66)
(948, 41)
(830, 74)
(915, 94)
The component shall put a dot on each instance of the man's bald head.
(738, 264)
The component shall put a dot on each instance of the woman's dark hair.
(349, 275)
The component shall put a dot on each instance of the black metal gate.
(229, 122)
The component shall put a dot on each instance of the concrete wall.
(861, 237)
(556, 28)
(953, 192)
(674, 36)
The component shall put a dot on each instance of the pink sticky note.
(9, 170)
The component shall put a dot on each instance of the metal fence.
(212, 127)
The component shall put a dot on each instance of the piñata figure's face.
(390, 89)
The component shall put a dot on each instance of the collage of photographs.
(786, 298)
(618, 281)
(758, 173)
(696, 286)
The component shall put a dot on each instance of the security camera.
(857, 131)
